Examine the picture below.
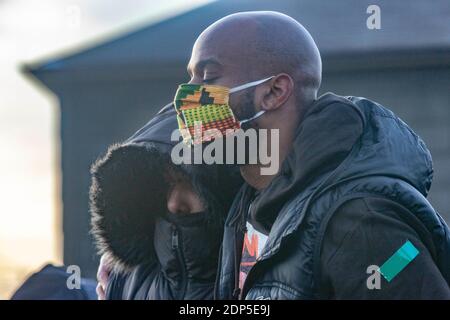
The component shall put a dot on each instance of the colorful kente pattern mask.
(204, 107)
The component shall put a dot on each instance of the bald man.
(346, 215)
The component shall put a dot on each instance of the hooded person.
(159, 225)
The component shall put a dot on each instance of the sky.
(33, 30)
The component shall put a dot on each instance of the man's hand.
(103, 272)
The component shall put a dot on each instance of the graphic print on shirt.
(254, 242)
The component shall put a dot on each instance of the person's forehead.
(210, 52)
(225, 46)
(200, 62)
(207, 52)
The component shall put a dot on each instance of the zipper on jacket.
(217, 282)
(176, 246)
(240, 231)
(249, 279)
(238, 243)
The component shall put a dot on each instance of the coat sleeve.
(134, 285)
(366, 232)
(116, 284)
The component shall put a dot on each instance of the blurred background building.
(31, 232)
(109, 89)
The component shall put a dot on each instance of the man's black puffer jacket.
(349, 194)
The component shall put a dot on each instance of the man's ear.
(278, 91)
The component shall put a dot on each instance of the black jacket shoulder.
(365, 232)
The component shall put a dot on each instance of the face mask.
(208, 104)
(186, 219)
(189, 233)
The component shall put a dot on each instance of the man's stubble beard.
(245, 108)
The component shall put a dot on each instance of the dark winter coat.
(349, 194)
(155, 257)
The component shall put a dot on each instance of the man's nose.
(176, 202)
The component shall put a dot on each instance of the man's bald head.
(254, 45)
(251, 46)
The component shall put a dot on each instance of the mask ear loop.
(250, 84)
(257, 115)
(168, 106)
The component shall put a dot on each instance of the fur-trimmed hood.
(128, 192)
